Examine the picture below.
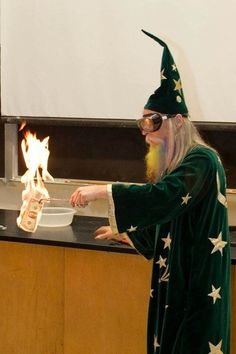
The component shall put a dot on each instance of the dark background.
(109, 152)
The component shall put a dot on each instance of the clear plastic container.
(56, 216)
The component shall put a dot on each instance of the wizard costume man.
(179, 220)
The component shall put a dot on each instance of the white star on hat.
(162, 75)
(178, 85)
(174, 68)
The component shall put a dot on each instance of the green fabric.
(189, 310)
(169, 97)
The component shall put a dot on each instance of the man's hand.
(105, 233)
(83, 195)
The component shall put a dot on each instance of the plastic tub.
(56, 217)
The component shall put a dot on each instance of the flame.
(36, 156)
(22, 125)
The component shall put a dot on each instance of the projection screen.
(74, 58)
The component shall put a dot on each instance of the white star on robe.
(218, 244)
(165, 276)
(151, 292)
(156, 344)
(132, 228)
(215, 294)
(215, 349)
(186, 199)
(167, 241)
(162, 261)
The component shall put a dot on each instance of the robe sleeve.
(135, 207)
(143, 241)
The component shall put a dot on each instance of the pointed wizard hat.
(169, 97)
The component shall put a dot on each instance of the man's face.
(159, 136)
(156, 156)
(161, 141)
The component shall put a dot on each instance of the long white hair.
(163, 159)
(182, 140)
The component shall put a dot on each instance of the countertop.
(80, 234)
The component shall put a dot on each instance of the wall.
(93, 153)
(103, 152)
(1, 149)
(117, 153)
(90, 58)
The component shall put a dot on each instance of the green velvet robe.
(181, 223)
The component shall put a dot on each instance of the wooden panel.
(106, 300)
(102, 309)
(31, 301)
(233, 310)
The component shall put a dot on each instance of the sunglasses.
(152, 122)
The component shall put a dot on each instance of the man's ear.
(179, 120)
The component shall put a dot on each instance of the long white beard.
(155, 159)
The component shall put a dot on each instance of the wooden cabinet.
(57, 300)
(70, 301)
(32, 299)
(106, 302)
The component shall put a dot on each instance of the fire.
(23, 124)
(36, 155)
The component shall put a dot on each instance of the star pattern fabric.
(165, 276)
(132, 228)
(218, 244)
(164, 98)
(174, 68)
(162, 75)
(215, 349)
(183, 227)
(167, 241)
(155, 343)
(178, 86)
(215, 294)
(162, 262)
(186, 199)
